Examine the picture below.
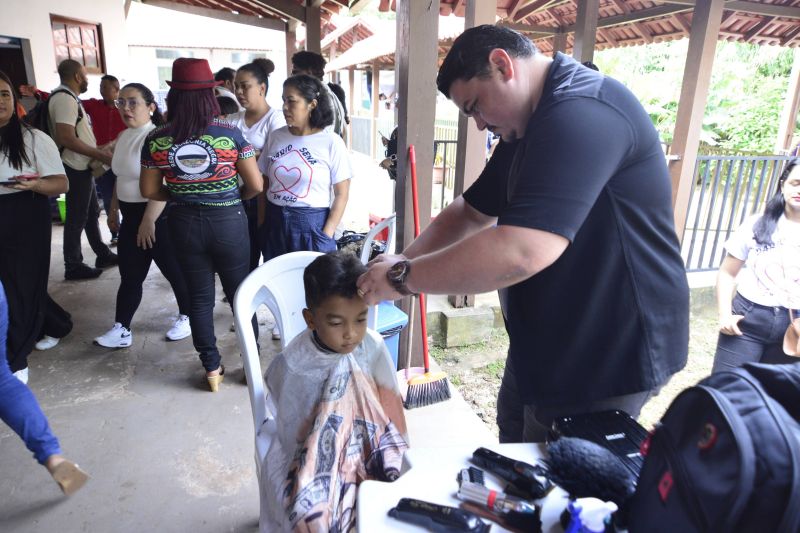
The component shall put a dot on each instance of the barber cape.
(337, 421)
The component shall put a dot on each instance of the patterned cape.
(340, 420)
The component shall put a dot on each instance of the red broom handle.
(412, 156)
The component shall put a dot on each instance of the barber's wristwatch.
(397, 275)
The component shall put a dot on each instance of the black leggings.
(134, 263)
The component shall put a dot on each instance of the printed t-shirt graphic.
(200, 170)
(302, 169)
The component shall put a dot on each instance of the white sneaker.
(46, 342)
(22, 375)
(116, 337)
(276, 333)
(180, 330)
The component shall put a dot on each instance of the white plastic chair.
(389, 222)
(278, 284)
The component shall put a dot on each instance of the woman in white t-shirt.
(30, 171)
(256, 121)
(308, 173)
(752, 327)
(143, 235)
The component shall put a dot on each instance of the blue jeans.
(209, 240)
(18, 406)
(761, 340)
(105, 187)
(531, 423)
(295, 229)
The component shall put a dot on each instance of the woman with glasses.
(201, 158)
(30, 172)
(143, 235)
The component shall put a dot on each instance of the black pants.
(24, 268)
(210, 240)
(134, 263)
(82, 214)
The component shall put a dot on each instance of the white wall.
(31, 20)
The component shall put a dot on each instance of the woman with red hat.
(195, 162)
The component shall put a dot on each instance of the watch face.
(397, 271)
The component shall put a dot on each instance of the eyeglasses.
(122, 103)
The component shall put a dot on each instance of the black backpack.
(39, 116)
(725, 457)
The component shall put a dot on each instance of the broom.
(428, 388)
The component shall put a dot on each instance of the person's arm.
(52, 185)
(493, 258)
(726, 284)
(68, 138)
(151, 185)
(52, 179)
(113, 217)
(341, 192)
(146, 235)
(251, 176)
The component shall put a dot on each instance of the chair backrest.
(388, 222)
(278, 284)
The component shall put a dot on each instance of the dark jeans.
(134, 263)
(18, 406)
(295, 229)
(761, 340)
(25, 230)
(105, 186)
(531, 423)
(82, 214)
(251, 208)
(209, 240)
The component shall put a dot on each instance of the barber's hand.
(729, 325)
(373, 286)
(146, 236)
(392, 259)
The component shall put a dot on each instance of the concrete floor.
(164, 454)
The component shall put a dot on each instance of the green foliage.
(746, 97)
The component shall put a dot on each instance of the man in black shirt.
(572, 220)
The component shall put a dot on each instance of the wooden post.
(471, 146)
(376, 80)
(706, 21)
(313, 23)
(351, 78)
(585, 30)
(790, 108)
(291, 44)
(560, 42)
(415, 75)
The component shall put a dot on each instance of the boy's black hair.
(227, 105)
(469, 56)
(311, 62)
(109, 77)
(225, 74)
(332, 274)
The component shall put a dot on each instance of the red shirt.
(106, 122)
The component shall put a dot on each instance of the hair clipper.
(437, 518)
(527, 481)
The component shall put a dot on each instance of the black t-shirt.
(611, 315)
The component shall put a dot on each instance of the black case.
(614, 430)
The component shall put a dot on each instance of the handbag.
(791, 340)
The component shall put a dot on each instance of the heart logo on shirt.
(287, 178)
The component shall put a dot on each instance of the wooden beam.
(127, 8)
(356, 6)
(642, 30)
(706, 21)
(585, 30)
(415, 74)
(790, 35)
(267, 23)
(530, 9)
(680, 19)
(527, 30)
(771, 10)
(560, 42)
(790, 108)
(756, 29)
(351, 80)
(607, 36)
(376, 107)
(637, 16)
(285, 8)
(291, 44)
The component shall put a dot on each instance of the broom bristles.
(427, 389)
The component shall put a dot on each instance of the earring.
(151, 113)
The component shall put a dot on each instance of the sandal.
(214, 381)
(69, 477)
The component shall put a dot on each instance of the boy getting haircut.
(336, 406)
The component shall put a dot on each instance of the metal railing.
(444, 172)
(727, 190)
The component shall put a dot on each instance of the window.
(81, 41)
